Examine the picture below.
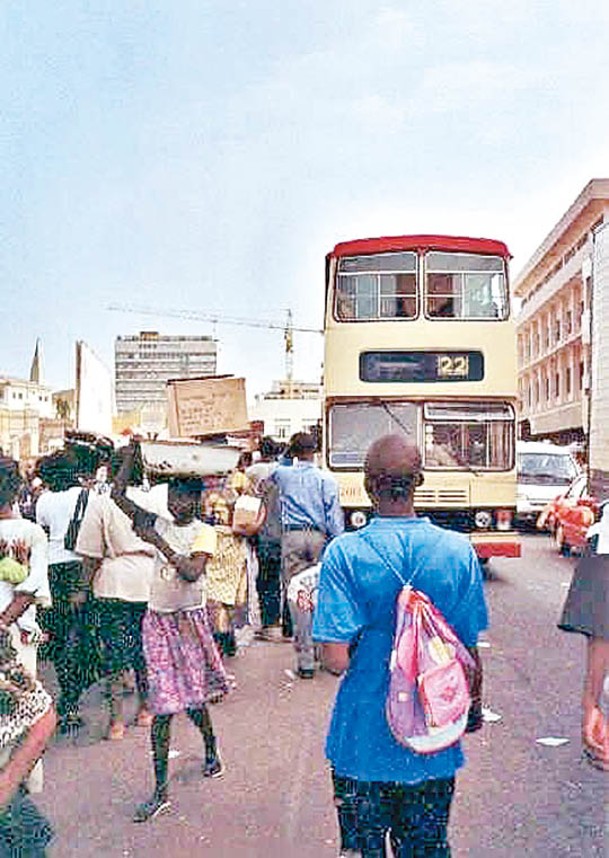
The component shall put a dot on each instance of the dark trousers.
(415, 817)
(119, 629)
(268, 583)
(71, 646)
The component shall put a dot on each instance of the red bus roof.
(389, 244)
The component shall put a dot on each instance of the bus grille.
(441, 497)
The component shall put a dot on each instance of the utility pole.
(288, 337)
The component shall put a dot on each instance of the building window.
(282, 430)
(569, 323)
(557, 385)
(547, 388)
(557, 329)
(568, 381)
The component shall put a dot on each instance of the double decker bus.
(419, 340)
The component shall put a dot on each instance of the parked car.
(569, 516)
(543, 471)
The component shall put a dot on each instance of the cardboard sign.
(206, 406)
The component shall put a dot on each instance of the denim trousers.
(414, 816)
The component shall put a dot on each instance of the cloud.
(395, 29)
(451, 86)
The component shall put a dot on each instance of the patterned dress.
(227, 581)
(183, 664)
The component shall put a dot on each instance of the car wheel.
(561, 543)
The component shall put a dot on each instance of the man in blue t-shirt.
(380, 786)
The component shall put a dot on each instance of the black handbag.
(69, 540)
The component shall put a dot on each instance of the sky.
(205, 155)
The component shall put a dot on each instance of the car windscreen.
(546, 469)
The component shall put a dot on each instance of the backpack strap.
(393, 569)
(405, 582)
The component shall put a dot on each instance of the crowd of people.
(111, 579)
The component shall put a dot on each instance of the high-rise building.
(146, 361)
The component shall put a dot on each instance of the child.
(183, 664)
(226, 571)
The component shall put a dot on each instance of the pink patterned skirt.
(183, 664)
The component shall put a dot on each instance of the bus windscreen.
(452, 436)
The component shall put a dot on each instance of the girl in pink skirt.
(183, 664)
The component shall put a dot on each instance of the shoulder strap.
(404, 581)
(83, 500)
(79, 508)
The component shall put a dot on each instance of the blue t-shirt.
(357, 605)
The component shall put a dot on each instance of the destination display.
(421, 366)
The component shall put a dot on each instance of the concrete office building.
(289, 407)
(146, 361)
(554, 323)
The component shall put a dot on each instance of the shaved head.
(393, 455)
(392, 469)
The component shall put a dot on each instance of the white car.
(543, 472)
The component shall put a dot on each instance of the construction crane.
(287, 327)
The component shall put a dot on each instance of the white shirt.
(54, 511)
(127, 562)
(170, 592)
(13, 530)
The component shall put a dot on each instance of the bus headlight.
(358, 519)
(503, 519)
(483, 519)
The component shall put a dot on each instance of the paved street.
(515, 797)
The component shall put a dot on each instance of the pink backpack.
(428, 698)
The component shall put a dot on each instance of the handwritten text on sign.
(207, 406)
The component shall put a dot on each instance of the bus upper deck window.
(377, 287)
(465, 286)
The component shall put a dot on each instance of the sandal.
(144, 718)
(116, 731)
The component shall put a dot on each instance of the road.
(514, 798)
